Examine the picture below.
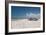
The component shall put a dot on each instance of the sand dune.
(25, 23)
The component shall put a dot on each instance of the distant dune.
(25, 23)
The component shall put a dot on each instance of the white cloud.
(32, 15)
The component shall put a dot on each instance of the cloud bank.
(32, 15)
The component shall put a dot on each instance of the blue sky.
(17, 11)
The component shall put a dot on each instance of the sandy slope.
(24, 23)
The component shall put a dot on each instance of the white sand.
(25, 23)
